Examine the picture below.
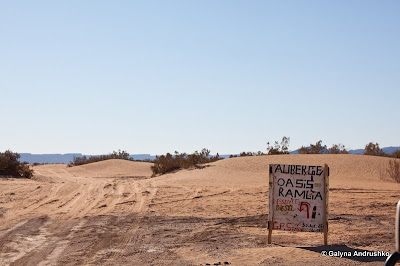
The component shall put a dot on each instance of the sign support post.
(271, 208)
(269, 232)
(326, 191)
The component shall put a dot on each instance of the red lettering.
(275, 226)
(289, 226)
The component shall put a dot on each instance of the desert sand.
(114, 213)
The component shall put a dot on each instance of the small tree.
(282, 148)
(373, 149)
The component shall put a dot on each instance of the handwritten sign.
(298, 198)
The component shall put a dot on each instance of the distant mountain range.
(68, 157)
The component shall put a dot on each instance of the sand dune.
(109, 168)
(113, 168)
(113, 212)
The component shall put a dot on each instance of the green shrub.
(91, 159)
(168, 163)
(10, 166)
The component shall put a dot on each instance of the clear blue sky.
(159, 76)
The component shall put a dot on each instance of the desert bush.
(248, 153)
(318, 148)
(393, 169)
(373, 149)
(168, 163)
(77, 160)
(282, 148)
(396, 154)
(337, 149)
(11, 166)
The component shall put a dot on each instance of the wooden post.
(270, 205)
(270, 224)
(397, 228)
(326, 195)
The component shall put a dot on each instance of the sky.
(159, 76)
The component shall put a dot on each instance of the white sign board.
(298, 198)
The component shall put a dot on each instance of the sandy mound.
(113, 168)
(104, 169)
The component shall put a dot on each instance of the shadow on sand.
(356, 254)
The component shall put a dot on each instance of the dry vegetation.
(282, 148)
(396, 154)
(318, 148)
(10, 166)
(168, 163)
(393, 170)
(92, 159)
(373, 149)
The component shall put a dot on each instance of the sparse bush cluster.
(36, 164)
(392, 169)
(249, 153)
(91, 159)
(11, 166)
(168, 163)
(318, 148)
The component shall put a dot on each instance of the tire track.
(112, 198)
(18, 212)
(93, 196)
(142, 205)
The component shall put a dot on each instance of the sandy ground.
(114, 213)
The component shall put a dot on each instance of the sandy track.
(112, 213)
